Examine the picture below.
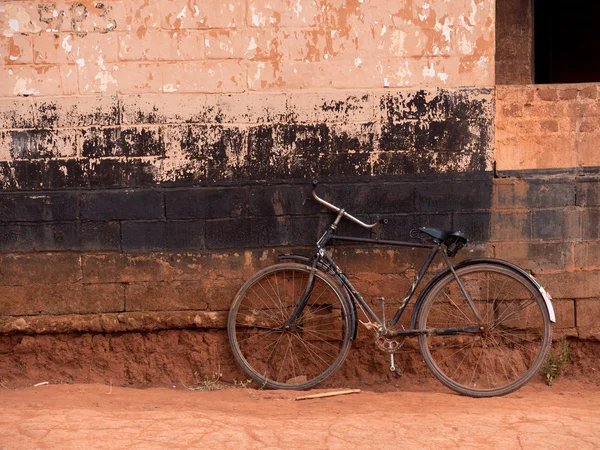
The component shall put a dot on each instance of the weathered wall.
(155, 154)
(546, 203)
(70, 48)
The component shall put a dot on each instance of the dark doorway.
(566, 41)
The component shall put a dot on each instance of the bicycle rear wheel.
(303, 355)
(514, 337)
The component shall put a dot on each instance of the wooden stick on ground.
(329, 394)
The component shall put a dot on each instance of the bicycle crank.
(389, 346)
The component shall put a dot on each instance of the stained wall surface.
(154, 154)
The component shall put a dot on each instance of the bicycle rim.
(514, 337)
(302, 356)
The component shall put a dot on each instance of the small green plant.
(556, 362)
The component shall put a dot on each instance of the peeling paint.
(66, 45)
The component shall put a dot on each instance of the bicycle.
(484, 325)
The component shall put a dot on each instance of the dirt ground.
(69, 416)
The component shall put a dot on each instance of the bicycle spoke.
(315, 344)
(501, 358)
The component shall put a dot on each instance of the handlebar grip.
(384, 220)
(315, 182)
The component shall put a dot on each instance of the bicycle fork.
(289, 324)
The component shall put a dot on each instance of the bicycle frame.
(323, 260)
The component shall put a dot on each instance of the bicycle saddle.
(443, 235)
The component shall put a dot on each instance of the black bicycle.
(484, 325)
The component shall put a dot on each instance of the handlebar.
(337, 210)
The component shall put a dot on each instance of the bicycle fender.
(469, 262)
(308, 262)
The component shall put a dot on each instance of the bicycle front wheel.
(513, 337)
(295, 357)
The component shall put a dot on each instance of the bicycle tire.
(312, 350)
(516, 334)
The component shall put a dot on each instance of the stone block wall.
(82, 48)
(546, 199)
(153, 155)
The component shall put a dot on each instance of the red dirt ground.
(564, 416)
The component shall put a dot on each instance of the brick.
(548, 224)
(568, 94)
(104, 172)
(249, 44)
(475, 226)
(571, 285)
(172, 108)
(265, 75)
(453, 195)
(510, 192)
(536, 256)
(61, 299)
(136, 16)
(587, 150)
(144, 46)
(167, 266)
(197, 14)
(145, 236)
(16, 113)
(143, 172)
(587, 255)
(165, 45)
(101, 142)
(547, 93)
(121, 205)
(69, 112)
(537, 151)
(211, 146)
(547, 194)
(573, 224)
(229, 233)
(332, 107)
(564, 311)
(279, 13)
(32, 144)
(545, 109)
(203, 76)
(590, 92)
(22, 207)
(590, 218)
(183, 45)
(181, 295)
(122, 77)
(142, 141)
(587, 312)
(510, 110)
(510, 225)
(270, 231)
(588, 193)
(367, 198)
(65, 48)
(29, 80)
(206, 203)
(16, 49)
(40, 268)
(282, 200)
(589, 126)
(550, 126)
(214, 296)
(70, 79)
(228, 108)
